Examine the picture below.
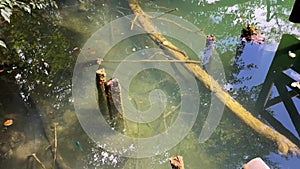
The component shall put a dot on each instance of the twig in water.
(169, 11)
(170, 112)
(55, 145)
(38, 160)
(133, 22)
(48, 147)
(149, 61)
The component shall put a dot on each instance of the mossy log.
(144, 21)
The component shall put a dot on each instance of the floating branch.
(150, 61)
(38, 160)
(284, 144)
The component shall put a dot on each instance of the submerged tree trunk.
(284, 144)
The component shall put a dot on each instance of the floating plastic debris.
(133, 49)
(292, 55)
(79, 145)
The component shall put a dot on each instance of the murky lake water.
(44, 53)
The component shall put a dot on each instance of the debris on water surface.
(292, 55)
(76, 49)
(8, 122)
(79, 146)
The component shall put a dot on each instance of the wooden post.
(284, 144)
(109, 97)
(102, 99)
(114, 102)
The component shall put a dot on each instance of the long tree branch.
(284, 144)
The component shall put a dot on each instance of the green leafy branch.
(7, 7)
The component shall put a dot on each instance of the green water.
(43, 48)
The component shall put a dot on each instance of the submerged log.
(284, 144)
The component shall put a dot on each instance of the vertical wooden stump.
(114, 102)
(109, 97)
(102, 99)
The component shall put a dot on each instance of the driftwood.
(144, 21)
